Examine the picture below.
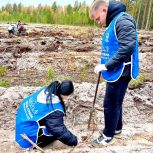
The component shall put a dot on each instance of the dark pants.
(113, 100)
(44, 140)
(11, 32)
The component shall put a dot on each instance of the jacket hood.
(114, 8)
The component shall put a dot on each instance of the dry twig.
(30, 141)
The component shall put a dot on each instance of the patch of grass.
(138, 82)
(51, 74)
(3, 70)
(62, 78)
(5, 83)
(85, 72)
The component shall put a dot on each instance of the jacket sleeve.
(55, 124)
(126, 35)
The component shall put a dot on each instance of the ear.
(105, 10)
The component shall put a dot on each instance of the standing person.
(40, 116)
(18, 24)
(119, 62)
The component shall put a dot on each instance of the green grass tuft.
(3, 70)
(138, 82)
(5, 83)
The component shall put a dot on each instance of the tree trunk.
(149, 15)
(139, 12)
(144, 14)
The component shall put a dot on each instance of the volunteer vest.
(110, 46)
(30, 112)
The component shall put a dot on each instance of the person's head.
(98, 11)
(62, 90)
(65, 89)
(19, 22)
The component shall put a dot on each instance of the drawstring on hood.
(114, 8)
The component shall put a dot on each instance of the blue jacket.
(55, 124)
(126, 33)
(35, 114)
(110, 47)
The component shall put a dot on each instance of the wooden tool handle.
(24, 136)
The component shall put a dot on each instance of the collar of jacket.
(114, 8)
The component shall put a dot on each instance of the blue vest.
(110, 46)
(31, 110)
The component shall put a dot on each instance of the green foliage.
(69, 9)
(77, 15)
(54, 6)
(68, 15)
(138, 82)
(142, 11)
(5, 83)
(51, 74)
(3, 70)
(76, 5)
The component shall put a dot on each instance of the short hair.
(95, 6)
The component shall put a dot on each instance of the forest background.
(77, 15)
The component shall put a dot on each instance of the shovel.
(93, 104)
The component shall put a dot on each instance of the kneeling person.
(11, 29)
(40, 116)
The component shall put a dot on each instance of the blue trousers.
(113, 101)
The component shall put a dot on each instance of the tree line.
(78, 14)
(142, 11)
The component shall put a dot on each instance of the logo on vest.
(107, 37)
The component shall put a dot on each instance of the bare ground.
(73, 52)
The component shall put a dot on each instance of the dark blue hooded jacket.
(126, 34)
(55, 124)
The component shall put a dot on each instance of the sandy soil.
(73, 52)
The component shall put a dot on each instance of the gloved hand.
(99, 68)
